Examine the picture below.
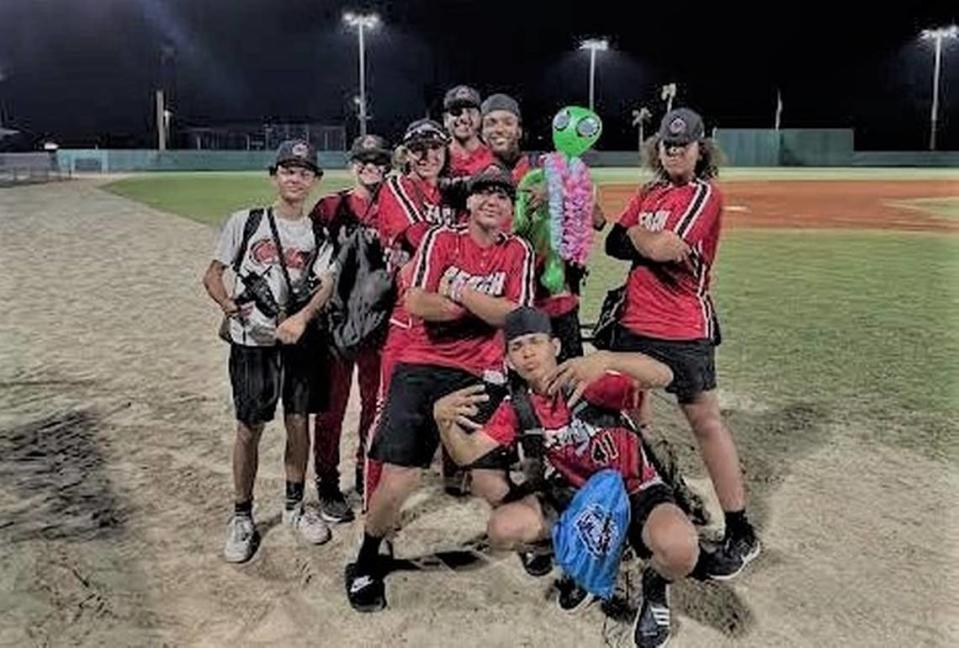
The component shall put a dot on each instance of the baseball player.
(370, 158)
(670, 231)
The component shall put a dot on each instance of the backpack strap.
(250, 225)
(280, 253)
(531, 441)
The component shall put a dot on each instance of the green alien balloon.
(575, 130)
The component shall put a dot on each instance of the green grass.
(210, 197)
(862, 325)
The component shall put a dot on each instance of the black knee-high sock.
(294, 495)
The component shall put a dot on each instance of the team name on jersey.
(439, 214)
(654, 221)
(491, 284)
(583, 437)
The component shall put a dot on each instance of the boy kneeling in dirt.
(576, 443)
(282, 262)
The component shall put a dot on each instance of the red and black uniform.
(502, 269)
(575, 449)
(441, 357)
(668, 312)
(407, 208)
(467, 163)
(346, 208)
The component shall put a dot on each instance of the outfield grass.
(863, 325)
(210, 197)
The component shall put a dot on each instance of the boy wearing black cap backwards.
(465, 280)
(277, 255)
(577, 437)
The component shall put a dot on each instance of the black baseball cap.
(370, 147)
(681, 126)
(493, 176)
(500, 102)
(461, 96)
(296, 152)
(526, 320)
(426, 131)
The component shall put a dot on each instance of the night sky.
(82, 71)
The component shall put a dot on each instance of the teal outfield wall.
(127, 160)
(787, 147)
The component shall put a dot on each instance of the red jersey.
(357, 206)
(407, 208)
(502, 269)
(467, 163)
(671, 300)
(523, 166)
(576, 449)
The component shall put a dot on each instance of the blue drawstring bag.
(588, 537)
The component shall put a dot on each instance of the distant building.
(259, 137)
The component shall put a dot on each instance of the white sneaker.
(307, 524)
(240, 539)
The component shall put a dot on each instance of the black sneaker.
(536, 563)
(732, 556)
(366, 592)
(333, 505)
(651, 628)
(572, 598)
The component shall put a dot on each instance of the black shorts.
(260, 376)
(406, 434)
(557, 497)
(566, 328)
(693, 362)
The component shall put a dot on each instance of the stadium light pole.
(593, 45)
(937, 35)
(362, 22)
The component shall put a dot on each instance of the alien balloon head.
(575, 130)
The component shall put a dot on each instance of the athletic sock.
(294, 495)
(244, 509)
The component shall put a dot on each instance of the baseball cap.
(681, 126)
(296, 152)
(461, 96)
(493, 176)
(425, 130)
(500, 102)
(526, 320)
(370, 147)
